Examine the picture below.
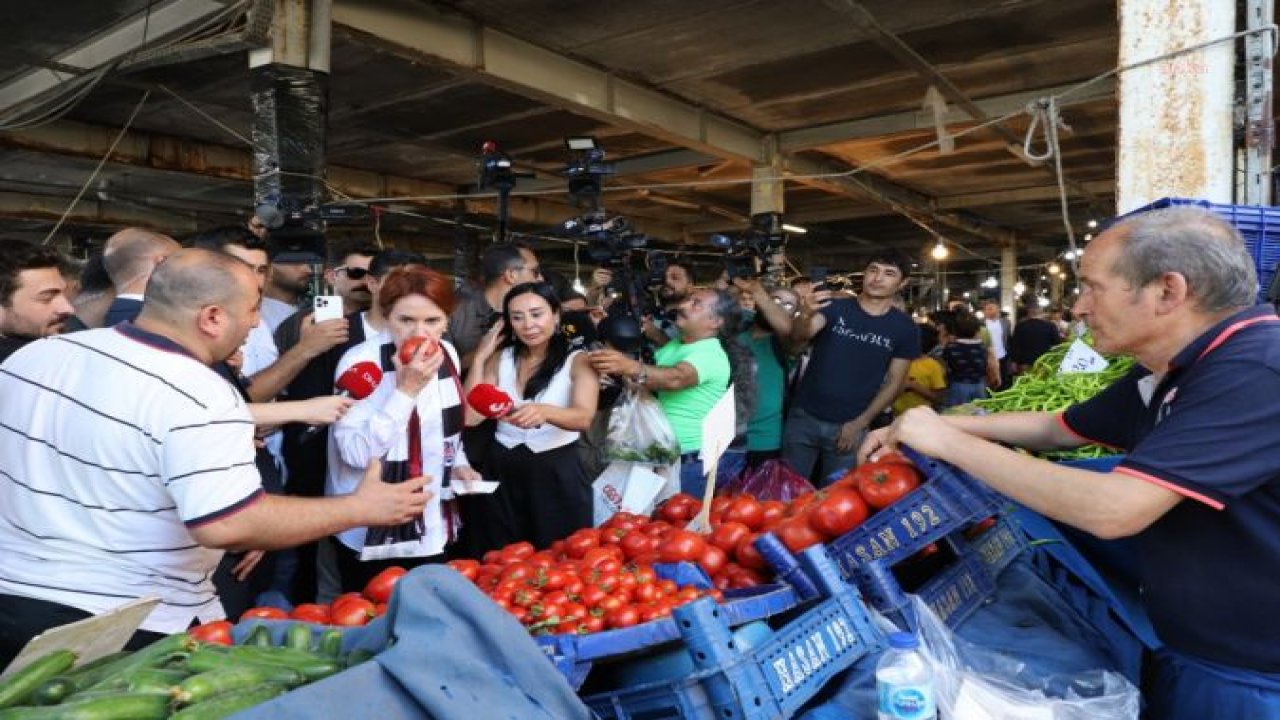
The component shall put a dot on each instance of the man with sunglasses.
(350, 278)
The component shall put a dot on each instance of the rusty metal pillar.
(1008, 278)
(290, 88)
(1175, 135)
(1259, 126)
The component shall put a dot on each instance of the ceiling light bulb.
(990, 282)
(1019, 288)
(1042, 301)
(939, 252)
(578, 287)
(1054, 269)
(1092, 224)
(1069, 255)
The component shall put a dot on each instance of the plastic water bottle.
(904, 682)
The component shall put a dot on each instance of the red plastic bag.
(773, 480)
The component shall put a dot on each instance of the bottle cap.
(903, 641)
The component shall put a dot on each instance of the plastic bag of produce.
(979, 683)
(773, 480)
(640, 432)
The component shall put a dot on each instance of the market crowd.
(170, 425)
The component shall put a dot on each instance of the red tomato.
(610, 603)
(519, 550)
(772, 511)
(312, 613)
(682, 546)
(719, 503)
(622, 617)
(518, 571)
(747, 554)
(980, 527)
(637, 543)
(552, 579)
(838, 512)
(744, 578)
(883, 484)
(469, 569)
(214, 633)
(353, 612)
(592, 595)
(411, 345)
(593, 623)
(713, 559)
(577, 544)
(573, 611)
(657, 528)
(797, 534)
(264, 613)
(380, 587)
(679, 509)
(647, 592)
(728, 534)
(611, 536)
(799, 504)
(688, 593)
(746, 510)
(894, 457)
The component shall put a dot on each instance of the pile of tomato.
(603, 578)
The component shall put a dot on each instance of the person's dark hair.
(93, 275)
(683, 263)
(894, 257)
(385, 261)
(966, 325)
(558, 282)
(415, 280)
(340, 250)
(217, 239)
(742, 364)
(928, 338)
(557, 344)
(18, 256)
(499, 258)
(572, 295)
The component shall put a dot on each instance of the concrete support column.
(767, 191)
(1008, 278)
(1175, 134)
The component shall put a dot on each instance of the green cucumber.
(20, 686)
(298, 637)
(116, 706)
(312, 666)
(201, 661)
(330, 644)
(228, 704)
(199, 688)
(259, 636)
(153, 655)
(359, 655)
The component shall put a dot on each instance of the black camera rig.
(758, 251)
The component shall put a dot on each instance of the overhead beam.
(92, 212)
(507, 61)
(159, 152)
(109, 46)
(894, 123)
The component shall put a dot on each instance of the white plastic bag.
(640, 432)
(633, 487)
(1003, 690)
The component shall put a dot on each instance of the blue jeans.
(808, 441)
(959, 393)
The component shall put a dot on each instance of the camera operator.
(691, 372)
(676, 287)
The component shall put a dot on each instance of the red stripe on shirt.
(1232, 330)
(1062, 420)
(1170, 486)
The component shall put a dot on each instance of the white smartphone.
(327, 307)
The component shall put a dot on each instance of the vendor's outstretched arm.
(1108, 505)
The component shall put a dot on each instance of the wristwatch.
(643, 375)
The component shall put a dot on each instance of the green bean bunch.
(1043, 389)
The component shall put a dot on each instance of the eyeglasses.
(353, 273)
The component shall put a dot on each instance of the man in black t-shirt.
(1032, 337)
(861, 349)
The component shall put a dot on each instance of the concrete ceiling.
(684, 96)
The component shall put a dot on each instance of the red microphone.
(490, 401)
(358, 382)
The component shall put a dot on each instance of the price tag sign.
(1082, 359)
(90, 638)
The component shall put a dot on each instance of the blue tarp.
(456, 656)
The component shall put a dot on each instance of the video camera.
(756, 253)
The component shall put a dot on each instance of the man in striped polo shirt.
(126, 463)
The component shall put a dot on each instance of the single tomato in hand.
(883, 484)
(411, 345)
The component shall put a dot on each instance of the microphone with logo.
(358, 382)
(490, 401)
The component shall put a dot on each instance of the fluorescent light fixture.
(794, 229)
(990, 282)
(581, 143)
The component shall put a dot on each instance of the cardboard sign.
(1082, 359)
(718, 429)
(91, 638)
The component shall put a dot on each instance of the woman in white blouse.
(545, 492)
(412, 421)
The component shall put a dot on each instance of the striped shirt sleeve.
(207, 463)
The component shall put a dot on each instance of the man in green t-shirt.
(689, 376)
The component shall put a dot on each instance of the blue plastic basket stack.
(1259, 225)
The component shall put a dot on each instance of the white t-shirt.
(113, 443)
(274, 312)
(995, 329)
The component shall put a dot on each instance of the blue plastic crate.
(1259, 225)
(771, 680)
(947, 501)
(957, 590)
